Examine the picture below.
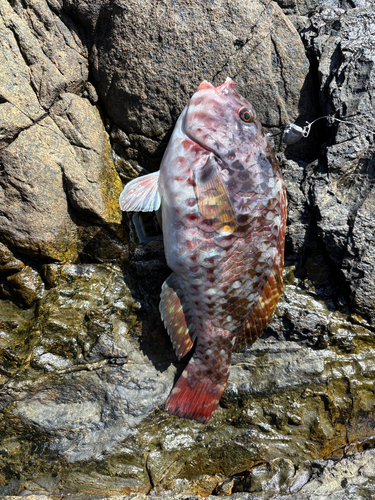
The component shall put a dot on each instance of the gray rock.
(86, 367)
(145, 75)
(341, 189)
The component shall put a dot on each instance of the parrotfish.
(221, 199)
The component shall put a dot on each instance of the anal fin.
(141, 194)
(175, 313)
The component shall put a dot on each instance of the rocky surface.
(146, 74)
(85, 363)
(351, 477)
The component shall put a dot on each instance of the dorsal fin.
(214, 202)
(175, 313)
(141, 194)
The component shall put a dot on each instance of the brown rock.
(93, 186)
(8, 263)
(25, 287)
(55, 56)
(19, 106)
(34, 210)
(34, 214)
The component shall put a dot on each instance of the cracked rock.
(145, 75)
(342, 186)
(85, 362)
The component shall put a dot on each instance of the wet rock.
(25, 287)
(16, 340)
(100, 385)
(318, 480)
(86, 368)
(8, 262)
(339, 480)
(80, 314)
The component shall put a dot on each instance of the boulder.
(55, 155)
(85, 362)
(146, 74)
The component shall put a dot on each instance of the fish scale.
(222, 203)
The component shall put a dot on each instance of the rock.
(38, 220)
(55, 57)
(145, 75)
(86, 367)
(91, 181)
(8, 262)
(49, 173)
(93, 401)
(339, 480)
(25, 286)
(152, 80)
(19, 106)
(33, 218)
(318, 480)
(341, 188)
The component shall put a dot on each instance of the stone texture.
(85, 363)
(26, 287)
(47, 173)
(92, 392)
(144, 75)
(351, 477)
(38, 220)
(91, 181)
(341, 186)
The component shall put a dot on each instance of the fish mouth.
(227, 86)
(224, 88)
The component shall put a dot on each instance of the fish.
(221, 200)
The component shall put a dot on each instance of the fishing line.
(293, 133)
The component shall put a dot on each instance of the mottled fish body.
(223, 209)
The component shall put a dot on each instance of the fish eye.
(246, 115)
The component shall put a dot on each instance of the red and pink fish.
(221, 199)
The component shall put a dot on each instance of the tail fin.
(198, 390)
(198, 402)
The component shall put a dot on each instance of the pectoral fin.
(214, 202)
(141, 194)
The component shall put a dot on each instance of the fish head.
(223, 122)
